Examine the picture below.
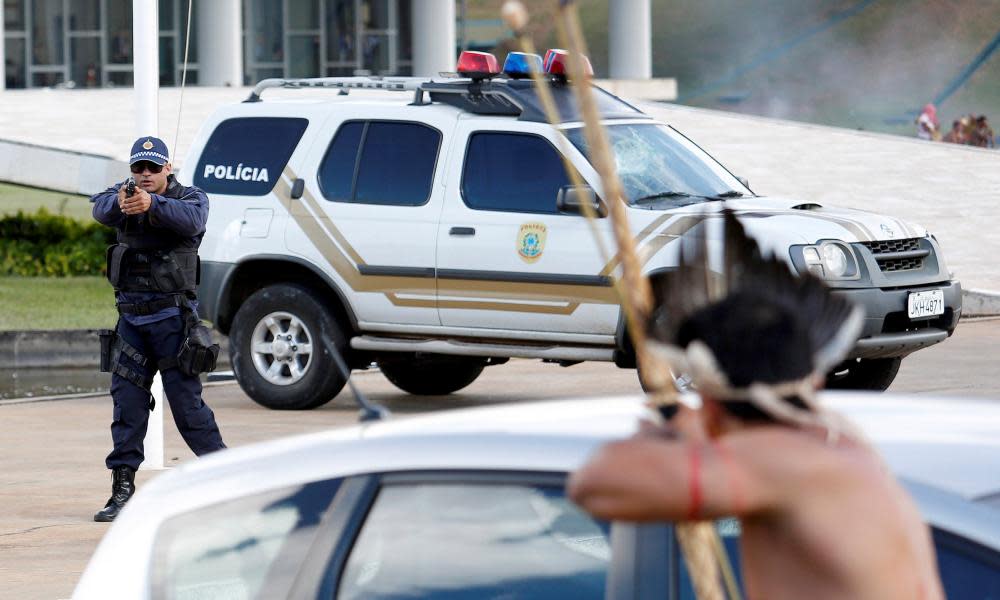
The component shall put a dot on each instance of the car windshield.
(660, 168)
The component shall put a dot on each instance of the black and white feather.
(834, 322)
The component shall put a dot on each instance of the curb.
(70, 348)
(980, 303)
(79, 348)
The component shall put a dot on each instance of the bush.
(44, 244)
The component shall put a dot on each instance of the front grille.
(899, 322)
(887, 264)
(884, 246)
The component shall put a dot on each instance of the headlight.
(831, 260)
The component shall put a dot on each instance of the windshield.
(659, 168)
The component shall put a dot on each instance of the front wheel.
(864, 374)
(431, 375)
(282, 345)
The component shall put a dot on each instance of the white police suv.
(430, 226)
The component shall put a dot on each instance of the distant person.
(956, 135)
(153, 269)
(928, 127)
(984, 133)
(820, 515)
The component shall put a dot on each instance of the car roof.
(949, 443)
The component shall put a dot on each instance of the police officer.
(153, 269)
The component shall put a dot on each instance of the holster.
(197, 353)
(107, 339)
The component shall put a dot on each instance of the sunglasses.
(142, 165)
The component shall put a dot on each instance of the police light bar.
(557, 63)
(520, 65)
(477, 65)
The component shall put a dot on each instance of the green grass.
(56, 303)
(15, 197)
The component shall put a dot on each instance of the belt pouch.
(116, 264)
(107, 338)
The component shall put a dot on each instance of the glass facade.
(88, 43)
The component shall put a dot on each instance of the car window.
(512, 172)
(246, 156)
(233, 549)
(969, 571)
(476, 541)
(336, 173)
(396, 165)
(729, 533)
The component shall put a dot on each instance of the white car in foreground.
(470, 504)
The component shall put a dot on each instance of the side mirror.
(298, 187)
(572, 199)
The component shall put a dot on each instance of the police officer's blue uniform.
(152, 323)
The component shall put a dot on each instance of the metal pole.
(145, 66)
(630, 44)
(146, 78)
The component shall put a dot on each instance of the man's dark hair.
(754, 341)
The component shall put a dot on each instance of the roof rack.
(394, 84)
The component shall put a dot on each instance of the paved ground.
(949, 189)
(51, 463)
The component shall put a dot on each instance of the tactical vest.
(153, 259)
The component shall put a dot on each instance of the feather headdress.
(742, 275)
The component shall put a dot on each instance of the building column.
(433, 36)
(630, 41)
(3, 56)
(220, 43)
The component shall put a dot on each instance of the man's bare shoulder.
(788, 454)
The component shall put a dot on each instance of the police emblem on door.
(531, 241)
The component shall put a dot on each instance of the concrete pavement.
(52, 477)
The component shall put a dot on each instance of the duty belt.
(151, 307)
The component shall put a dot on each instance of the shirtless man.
(820, 515)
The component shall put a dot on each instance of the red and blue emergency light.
(519, 65)
(477, 65)
(557, 63)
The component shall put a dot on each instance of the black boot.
(122, 488)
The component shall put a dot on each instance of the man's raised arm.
(186, 215)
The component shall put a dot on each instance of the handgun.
(130, 188)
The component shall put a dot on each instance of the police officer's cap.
(149, 148)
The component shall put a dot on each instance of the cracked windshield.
(660, 168)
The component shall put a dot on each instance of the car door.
(471, 534)
(510, 263)
(369, 213)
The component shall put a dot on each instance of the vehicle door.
(369, 212)
(510, 263)
(474, 534)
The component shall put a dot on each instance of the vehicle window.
(234, 549)
(396, 165)
(512, 172)
(246, 156)
(968, 570)
(476, 541)
(729, 532)
(653, 160)
(336, 173)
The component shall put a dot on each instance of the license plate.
(925, 304)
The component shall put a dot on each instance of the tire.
(280, 372)
(431, 375)
(864, 374)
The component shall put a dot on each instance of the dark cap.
(151, 149)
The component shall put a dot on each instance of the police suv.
(431, 226)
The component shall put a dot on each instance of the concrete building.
(88, 43)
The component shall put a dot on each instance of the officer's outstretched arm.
(185, 216)
(106, 210)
